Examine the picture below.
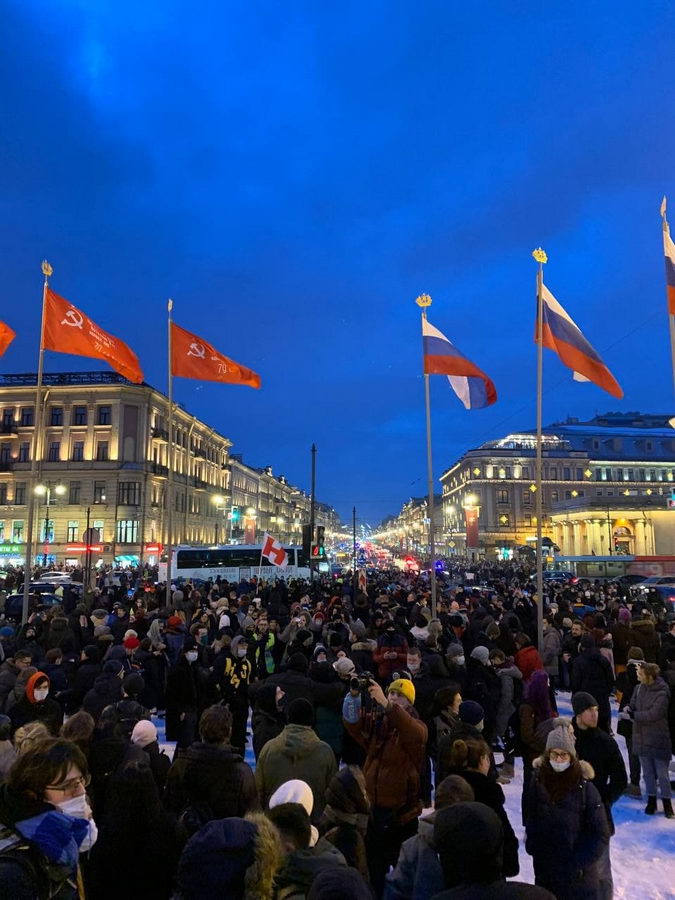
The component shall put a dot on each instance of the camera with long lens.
(362, 682)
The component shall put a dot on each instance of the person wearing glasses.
(45, 823)
(565, 820)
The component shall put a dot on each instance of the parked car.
(14, 604)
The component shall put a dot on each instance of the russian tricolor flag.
(561, 334)
(441, 357)
(669, 251)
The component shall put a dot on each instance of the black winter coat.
(601, 750)
(211, 775)
(85, 678)
(107, 689)
(187, 691)
(592, 673)
(487, 791)
(566, 838)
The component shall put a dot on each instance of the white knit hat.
(144, 733)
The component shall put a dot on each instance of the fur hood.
(365, 644)
(587, 769)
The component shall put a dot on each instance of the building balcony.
(200, 484)
(200, 453)
(599, 505)
(6, 466)
(160, 434)
(158, 469)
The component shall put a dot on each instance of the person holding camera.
(389, 729)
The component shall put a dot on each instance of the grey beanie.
(482, 654)
(358, 629)
(561, 737)
(454, 649)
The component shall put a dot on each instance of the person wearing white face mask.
(37, 706)
(186, 695)
(44, 808)
(565, 820)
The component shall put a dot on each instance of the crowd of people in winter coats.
(382, 738)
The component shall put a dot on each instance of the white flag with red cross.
(273, 550)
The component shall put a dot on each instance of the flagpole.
(424, 301)
(35, 451)
(541, 258)
(170, 461)
(671, 317)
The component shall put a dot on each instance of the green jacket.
(296, 753)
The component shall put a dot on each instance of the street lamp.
(45, 490)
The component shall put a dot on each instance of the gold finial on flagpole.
(46, 268)
(540, 255)
(423, 300)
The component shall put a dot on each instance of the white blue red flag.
(562, 335)
(441, 357)
(274, 551)
(669, 252)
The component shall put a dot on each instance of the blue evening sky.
(295, 174)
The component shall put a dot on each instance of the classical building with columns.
(607, 484)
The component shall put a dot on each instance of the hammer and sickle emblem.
(198, 350)
(73, 319)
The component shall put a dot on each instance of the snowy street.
(642, 850)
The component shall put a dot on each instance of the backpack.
(195, 815)
(46, 880)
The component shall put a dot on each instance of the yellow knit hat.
(403, 686)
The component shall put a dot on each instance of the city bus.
(234, 562)
(611, 566)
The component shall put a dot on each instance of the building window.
(3, 495)
(27, 416)
(99, 492)
(598, 492)
(102, 451)
(78, 451)
(20, 493)
(73, 532)
(502, 496)
(648, 446)
(2, 532)
(80, 415)
(554, 496)
(98, 525)
(127, 531)
(17, 531)
(526, 472)
(596, 445)
(104, 415)
(129, 493)
(619, 474)
(54, 451)
(24, 451)
(74, 494)
(5, 453)
(659, 474)
(553, 473)
(47, 530)
(568, 495)
(56, 417)
(630, 475)
(580, 474)
(566, 473)
(527, 498)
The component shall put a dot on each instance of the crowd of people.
(382, 737)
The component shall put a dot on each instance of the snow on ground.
(642, 850)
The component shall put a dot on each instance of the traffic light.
(234, 515)
(307, 540)
(320, 546)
